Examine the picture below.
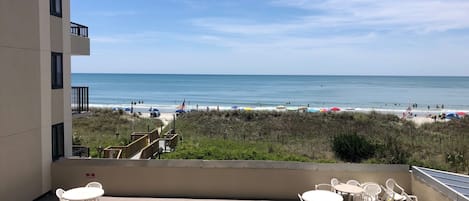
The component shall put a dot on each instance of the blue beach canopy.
(234, 107)
(180, 111)
(452, 115)
(312, 110)
(127, 109)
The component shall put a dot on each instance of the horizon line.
(228, 74)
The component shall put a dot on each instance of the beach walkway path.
(165, 118)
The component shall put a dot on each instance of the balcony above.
(80, 100)
(80, 43)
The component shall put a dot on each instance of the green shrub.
(352, 148)
(392, 151)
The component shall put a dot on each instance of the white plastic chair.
(366, 183)
(334, 182)
(59, 192)
(299, 196)
(372, 191)
(392, 186)
(391, 195)
(353, 182)
(94, 184)
(410, 197)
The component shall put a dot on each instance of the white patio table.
(321, 195)
(83, 193)
(349, 189)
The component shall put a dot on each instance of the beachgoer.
(442, 106)
(437, 106)
(428, 107)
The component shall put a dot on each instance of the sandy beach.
(167, 117)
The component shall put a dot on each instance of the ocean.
(382, 93)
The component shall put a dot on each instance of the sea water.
(385, 93)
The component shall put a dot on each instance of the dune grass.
(99, 129)
(233, 135)
(290, 136)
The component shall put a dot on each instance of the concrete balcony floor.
(52, 197)
(160, 199)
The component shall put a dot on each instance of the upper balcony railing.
(78, 30)
(80, 100)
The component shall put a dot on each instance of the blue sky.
(313, 37)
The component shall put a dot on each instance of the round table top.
(321, 195)
(347, 188)
(83, 193)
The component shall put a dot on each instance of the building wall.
(26, 98)
(80, 45)
(425, 192)
(215, 179)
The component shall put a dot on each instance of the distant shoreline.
(299, 75)
(421, 118)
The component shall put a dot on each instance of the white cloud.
(337, 23)
(420, 16)
(417, 16)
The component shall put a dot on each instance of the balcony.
(80, 100)
(80, 43)
(268, 180)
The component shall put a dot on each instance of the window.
(57, 71)
(56, 8)
(57, 141)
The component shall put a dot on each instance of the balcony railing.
(80, 99)
(78, 30)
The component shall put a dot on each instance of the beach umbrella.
(312, 110)
(234, 107)
(180, 111)
(323, 110)
(452, 115)
(127, 109)
(334, 109)
(280, 107)
(461, 113)
(247, 109)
